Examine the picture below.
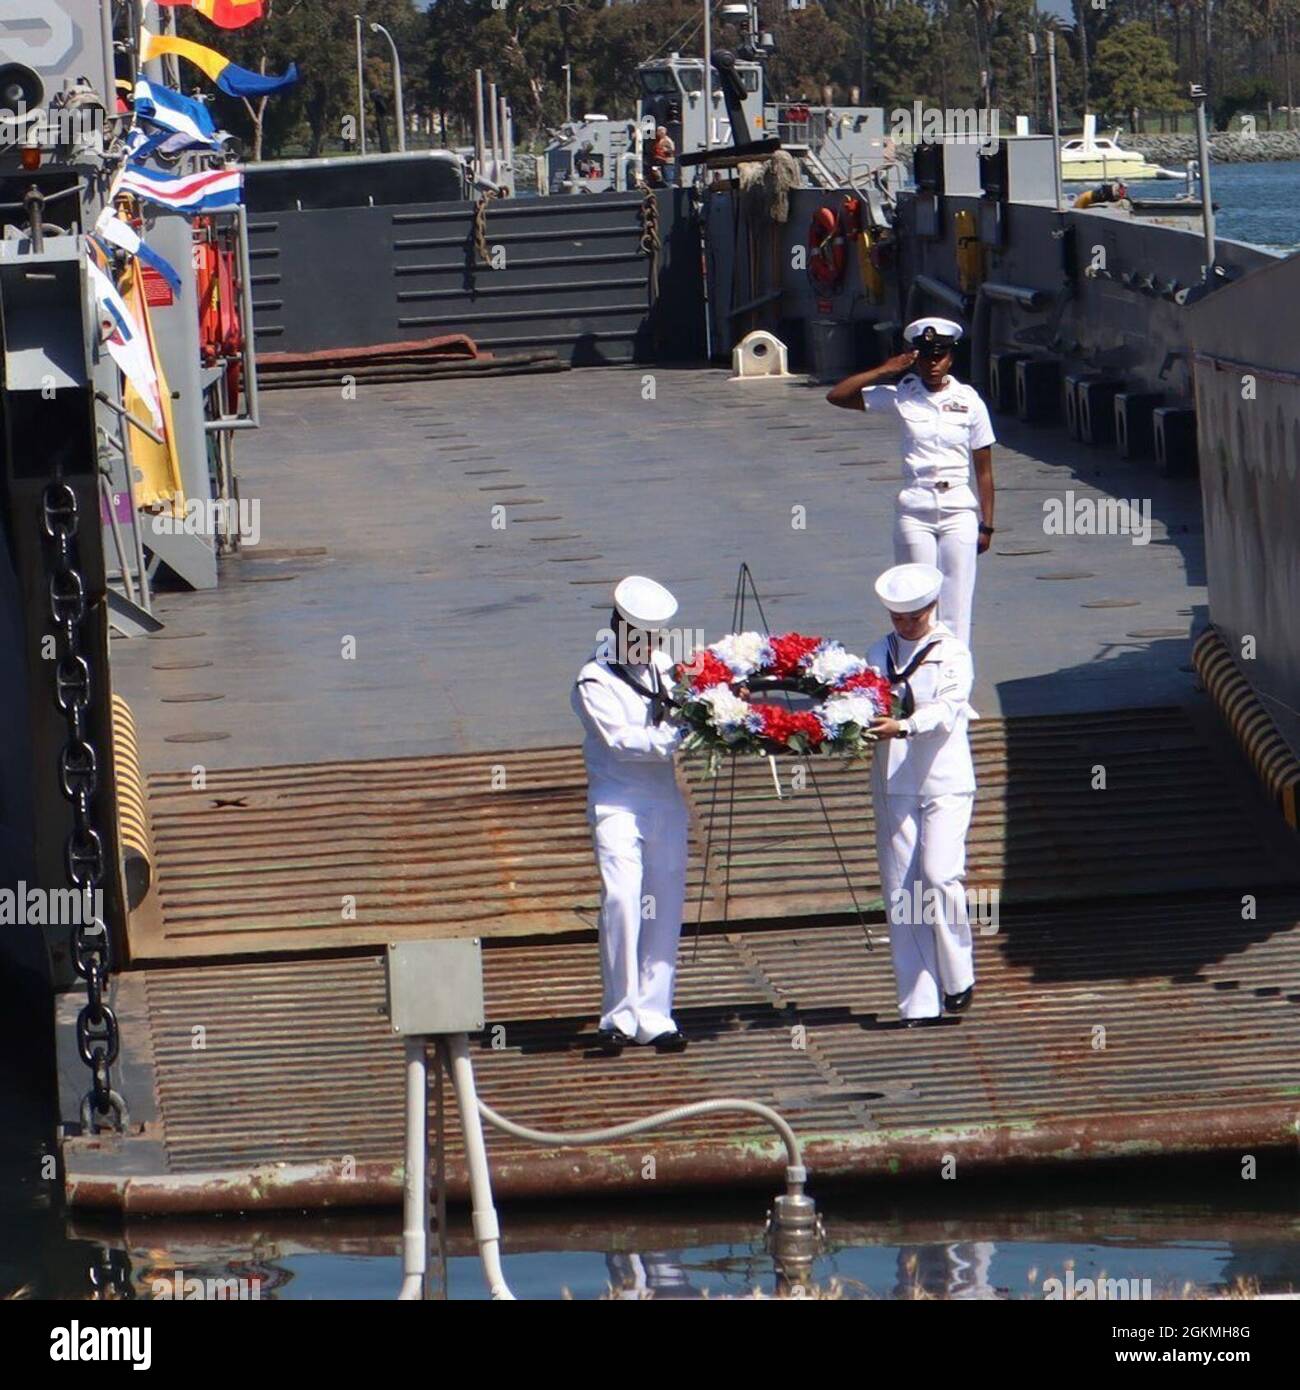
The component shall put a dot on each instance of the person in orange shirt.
(662, 154)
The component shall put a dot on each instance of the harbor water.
(1257, 203)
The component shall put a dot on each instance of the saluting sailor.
(940, 520)
(638, 816)
(923, 789)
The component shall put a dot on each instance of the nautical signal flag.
(123, 235)
(124, 341)
(180, 115)
(214, 190)
(225, 14)
(230, 77)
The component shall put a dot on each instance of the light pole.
(397, 82)
(708, 82)
(361, 88)
(568, 91)
(1056, 116)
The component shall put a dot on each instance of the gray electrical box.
(435, 987)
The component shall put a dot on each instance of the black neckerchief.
(904, 677)
(660, 701)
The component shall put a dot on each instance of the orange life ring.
(827, 256)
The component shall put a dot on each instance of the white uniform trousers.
(642, 859)
(949, 540)
(921, 847)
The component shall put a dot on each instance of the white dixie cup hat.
(909, 588)
(643, 603)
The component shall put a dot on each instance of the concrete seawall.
(1225, 147)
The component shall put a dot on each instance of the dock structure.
(1138, 899)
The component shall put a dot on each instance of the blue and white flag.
(181, 115)
(213, 190)
(124, 236)
(125, 341)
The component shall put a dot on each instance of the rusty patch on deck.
(1137, 1028)
(349, 854)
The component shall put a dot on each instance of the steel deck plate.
(348, 854)
(1136, 1028)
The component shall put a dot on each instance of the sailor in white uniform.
(638, 816)
(946, 432)
(923, 788)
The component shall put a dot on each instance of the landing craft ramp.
(1127, 1007)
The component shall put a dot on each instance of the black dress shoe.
(673, 1041)
(922, 1022)
(959, 1003)
(613, 1040)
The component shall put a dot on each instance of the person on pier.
(638, 816)
(923, 791)
(946, 434)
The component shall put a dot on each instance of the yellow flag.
(157, 465)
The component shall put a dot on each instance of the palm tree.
(1081, 29)
(986, 16)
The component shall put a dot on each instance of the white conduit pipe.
(487, 1230)
(796, 1173)
(414, 1239)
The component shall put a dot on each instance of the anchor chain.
(482, 252)
(651, 241)
(98, 1036)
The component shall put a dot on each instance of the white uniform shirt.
(935, 759)
(629, 759)
(940, 429)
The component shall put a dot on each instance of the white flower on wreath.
(830, 664)
(743, 652)
(847, 709)
(727, 711)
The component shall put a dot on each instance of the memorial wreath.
(715, 692)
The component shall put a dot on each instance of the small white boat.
(1089, 157)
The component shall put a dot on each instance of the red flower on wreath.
(788, 653)
(705, 670)
(779, 724)
(874, 684)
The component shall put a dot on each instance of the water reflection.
(656, 1274)
(1000, 1246)
(959, 1270)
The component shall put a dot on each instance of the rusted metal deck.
(1125, 1007)
(1126, 1030)
(341, 855)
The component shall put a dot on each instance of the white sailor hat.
(944, 332)
(643, 603)
(909, 588)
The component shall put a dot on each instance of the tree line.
(1130, 61)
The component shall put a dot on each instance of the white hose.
(487, 1230)
(796, 1174)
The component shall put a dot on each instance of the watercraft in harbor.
(1089, 157)
(350, 733)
